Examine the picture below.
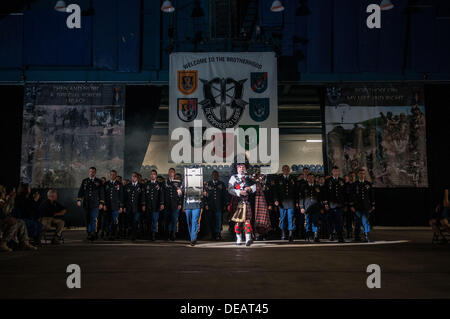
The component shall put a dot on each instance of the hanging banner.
(69, 127)
(222, 91)
(380, 128)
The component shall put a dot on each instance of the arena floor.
(411, 267)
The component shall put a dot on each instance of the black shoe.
(367, 239)
(341, 239)
(153, 237)
(316, 238)
(193, 243)
(331, 237)
(307, 236)
(219, 237)
(291, 236)
(172, 236)
(283, 235)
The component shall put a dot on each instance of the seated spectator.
(50, 211)
(11, 229)
(440, 215)
(25, 209)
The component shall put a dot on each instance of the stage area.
(411, 267)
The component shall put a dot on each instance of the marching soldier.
(173, 199)
(91, 194)
(215, 194)
(362, 204)
(334, 203)
(193, 207)
(113, 203)
(285, 196)
(303, 178)
(154, 202)
(348, 214)
(134, 203)
(309, 203)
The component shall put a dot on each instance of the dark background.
(395, 206)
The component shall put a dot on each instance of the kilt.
(236, 200)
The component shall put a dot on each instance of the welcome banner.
(223, 91)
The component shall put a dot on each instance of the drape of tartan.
(262, 218)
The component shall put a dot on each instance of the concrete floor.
(410, 269)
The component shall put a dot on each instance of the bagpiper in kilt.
(241, 186)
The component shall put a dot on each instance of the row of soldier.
(124, 209)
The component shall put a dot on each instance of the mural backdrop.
(380, 128)
(69, 127)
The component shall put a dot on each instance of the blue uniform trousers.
(91, 219)
(335, 217)
(113, 220)
(172, 219)
(312, 221)
(153, 218)
(193, 222)
(133, 219)
(215, 221)
(362, 217)
(287, 214)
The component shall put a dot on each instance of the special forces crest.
(258, 81)
(259, 109)
(223, 95)
(187, 81)
(334, 94)
(187, 109)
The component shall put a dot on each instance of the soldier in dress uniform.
(362, 204)
(134, 203)
(285, 196)
(113, 203)
(91, 196)
(303, 178)
(334, 203)
(173, 200)
(348, 214)
(310, 200)
(154, 202)
(215, 194)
